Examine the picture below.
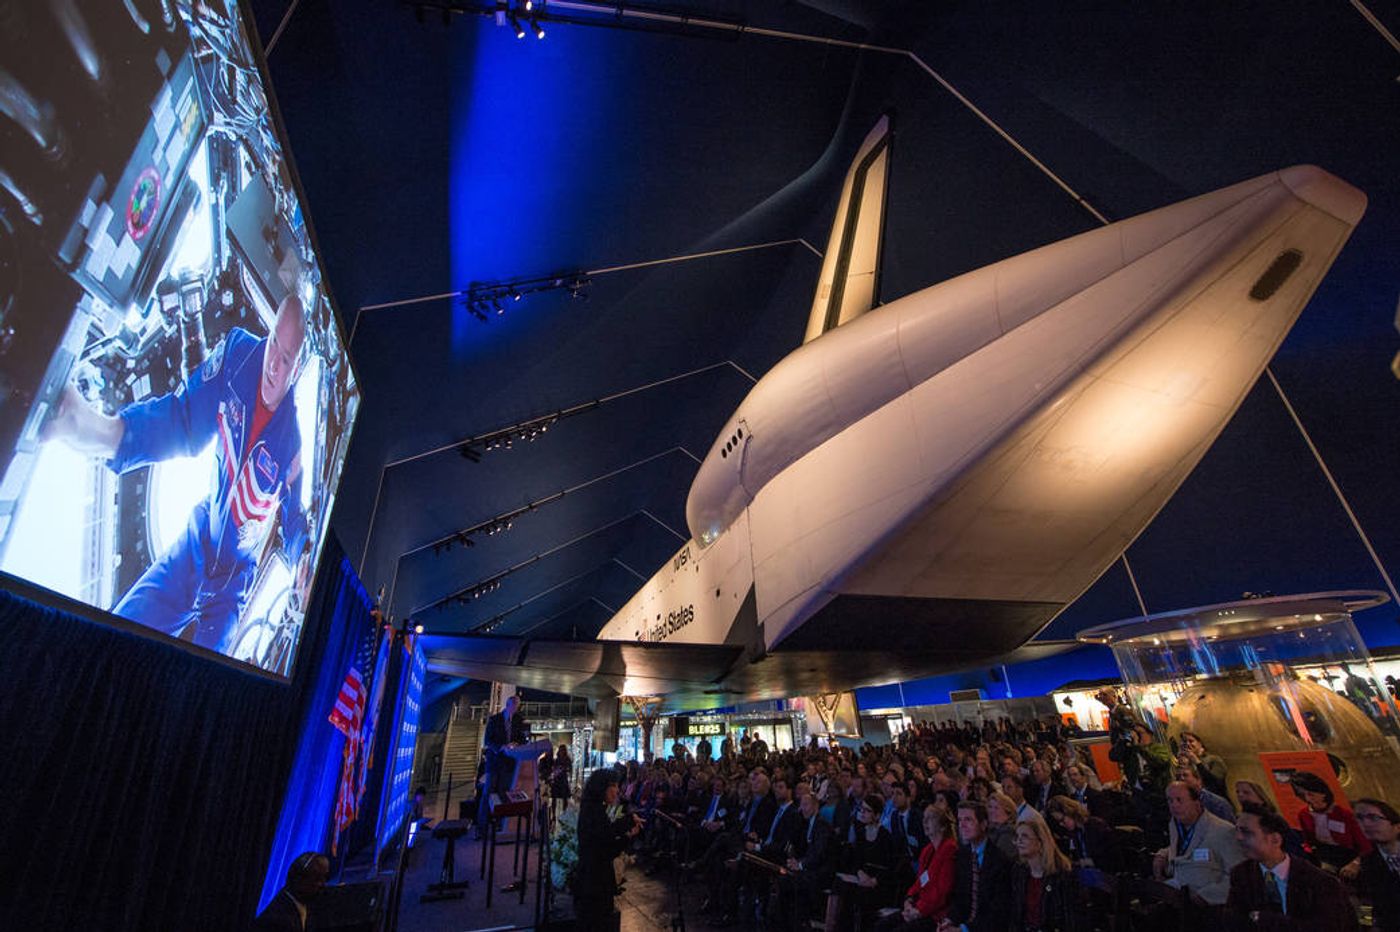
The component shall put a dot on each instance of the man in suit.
(784, 827)
(289, 909)
(1079, 790)
(1270, 890)
(784, 831)
(981, 899)
(715, 814)
(810, 867)
(1015, 787)
(502, 729)
(1202, 848)
(907, 830)
(843, 820)
(1377, 875)
(1043, 786)
(754, 823)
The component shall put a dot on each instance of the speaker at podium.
(521, 779)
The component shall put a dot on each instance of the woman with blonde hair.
(1044, 891)
(1089, 840)
(1247, 792)
(1001, 823)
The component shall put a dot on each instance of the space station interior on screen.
(176, 398)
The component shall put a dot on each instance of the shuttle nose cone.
(1326, 192)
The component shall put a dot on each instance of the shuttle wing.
(693, 677)
(596, 669)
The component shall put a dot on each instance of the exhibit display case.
(1275, 686)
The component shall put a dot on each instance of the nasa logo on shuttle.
(681, 559)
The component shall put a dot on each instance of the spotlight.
(529, 5)
(500, 308)
(515, 24)
(539, 30)
(417, 629)
(514, 295)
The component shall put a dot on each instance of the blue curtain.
(140, 782)
(305, 820)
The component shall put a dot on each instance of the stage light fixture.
(515, 24)
(539, 30)
(417, 629)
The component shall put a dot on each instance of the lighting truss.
(636, 18)
(484, 300)
(525, 432)
(489, 528)
(475, 591)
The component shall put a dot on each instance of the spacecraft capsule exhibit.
(1274, 686)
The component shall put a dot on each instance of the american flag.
(349, 705)
(377, 683)
(347, 716)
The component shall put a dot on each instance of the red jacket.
(1349, 837)
(931, 899)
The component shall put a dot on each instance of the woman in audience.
(561, 768)
(1044, 893)
(1249, 792)
(926, 901)
(1326, 824)
(927, 898)
(871, 860)
(946, 802)
(1001, 823)
(1210, 767)
(1090, 841)
(1377, 875)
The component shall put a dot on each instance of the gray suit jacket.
(1206, 863)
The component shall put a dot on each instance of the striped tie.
(976, 876)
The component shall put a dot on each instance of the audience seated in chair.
(1272, 891)
(1376, 875)
(1201, 851)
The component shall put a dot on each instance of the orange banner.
(1282, 765)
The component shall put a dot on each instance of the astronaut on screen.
(241, 398)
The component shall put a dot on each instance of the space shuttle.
(923, 486)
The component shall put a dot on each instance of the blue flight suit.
(205, 577)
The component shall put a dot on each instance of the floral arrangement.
(563, 857)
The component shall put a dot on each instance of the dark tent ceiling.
(434, 156)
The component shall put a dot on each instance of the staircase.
(460, 754)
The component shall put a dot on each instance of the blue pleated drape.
(140, 783)
(305, 819)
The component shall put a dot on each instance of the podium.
(525, 762)
(520, 801)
